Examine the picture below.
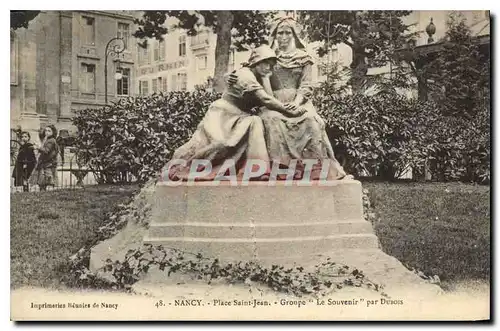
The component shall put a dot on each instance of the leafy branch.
(323, 279)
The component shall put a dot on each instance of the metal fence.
(70, 175)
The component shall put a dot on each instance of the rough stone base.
(378, 267)
(115, 248)
(130, 237)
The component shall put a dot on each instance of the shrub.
(386, 134)
(377, 135)
(139, 134)
(462, 148)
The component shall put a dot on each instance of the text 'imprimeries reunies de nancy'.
(73, 305)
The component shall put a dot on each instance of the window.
(87, 78)
(159, 51)
(174, 83)
(163, 82)
(160, 84)
(202, 62)
(123, 85)
(88, 30)
(182, 81)
(13, 59)
(156, 52)
(182, 46)
(144, 87)
(140, 54)
(143, 54)
(154, 84)
(161, 47)
(124, 33)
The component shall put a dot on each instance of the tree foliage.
(461, 70)
(238, 27)
(250, 26)
(373, 35)
(21, 18)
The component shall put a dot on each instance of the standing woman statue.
(229, 129)
(290, 137)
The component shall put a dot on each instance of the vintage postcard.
(250, 165)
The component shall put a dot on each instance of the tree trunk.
(422, 90)
(225, 20)
(358, 69)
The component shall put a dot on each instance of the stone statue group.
(286, 129)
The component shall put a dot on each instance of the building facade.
(58, 64)
(180, 62)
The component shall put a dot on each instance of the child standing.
(47, 159)
(25, 162)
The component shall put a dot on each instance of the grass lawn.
(439, 228)
(48, 227)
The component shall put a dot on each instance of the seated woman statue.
(297, 138)
(229, 130)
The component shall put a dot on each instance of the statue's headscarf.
(299, 58)
(288, 21)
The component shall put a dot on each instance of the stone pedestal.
(284, 225)
(260, 222)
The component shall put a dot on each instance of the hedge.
(138, 135)
(384, 135)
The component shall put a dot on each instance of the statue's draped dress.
(228, 131)
(299, 138)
